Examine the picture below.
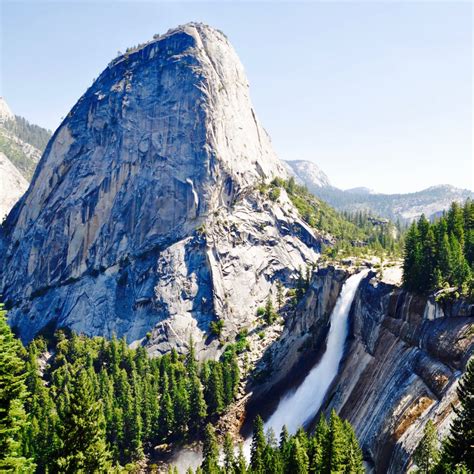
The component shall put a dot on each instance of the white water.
(299, 406)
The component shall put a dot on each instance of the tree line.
(441, 253)
(333, 447)
(95, 405)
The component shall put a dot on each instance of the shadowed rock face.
(163, 144)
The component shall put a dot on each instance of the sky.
(376, 93)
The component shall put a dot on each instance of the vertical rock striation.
(403, 363)
(142, 218)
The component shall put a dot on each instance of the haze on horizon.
(377, 94)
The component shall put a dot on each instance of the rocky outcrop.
(13, 185)
(143, 217)
(5, 111)
(403, 362)
(308, 172)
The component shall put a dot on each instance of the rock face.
(5, 111)
(308, 172)
(13, 185)
(403, 362)
(143, 217)
(404, 357)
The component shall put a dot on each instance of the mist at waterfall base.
(300, 405)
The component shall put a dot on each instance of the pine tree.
(354, 459)
(229, 456)
(319, 446)
(279, 294)
(459, 447)
(166, 414)
(412, 259)
(82, 430)
(215, 389)
(269, 311)
(13, 421)
(298, 459)
(197, 404)
(426, 455)
(210, 452)
(258, 447)
(284, 446)
(337, 444)
(455, 221)
(241, 463)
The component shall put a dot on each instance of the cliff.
(143, 218)
(403, 358)
(402, 365)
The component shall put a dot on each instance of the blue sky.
(378, 94)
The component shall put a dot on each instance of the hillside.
(20, 141)
(404, 207)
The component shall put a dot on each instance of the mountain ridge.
(430, 201)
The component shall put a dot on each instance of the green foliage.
(28, 132)
(216, 327)
(331, 448)
(269, 314)
(441, 253)
(99, 403)
(458, 448)
(210, 452)
(355, 233)
(426, 455)
(13, 393)
(274, 193)
(81, 428)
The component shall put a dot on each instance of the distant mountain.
(406, 207)
(307, 171)
(22, 143)
(360, 190)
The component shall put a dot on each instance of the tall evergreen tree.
(258, 447)
(337, 444)
(210, 452)
(354, 458)
(215, 389)
(82, 430)
(229, 455)
(426, 455)
(13, 421)
(298, 459)
(459, 447)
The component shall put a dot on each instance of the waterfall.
(300, 405)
